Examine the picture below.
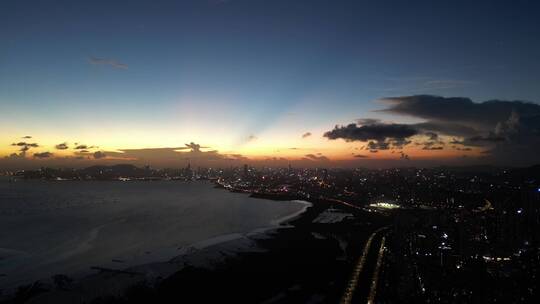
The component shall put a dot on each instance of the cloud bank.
(509, 131)
(379, 135)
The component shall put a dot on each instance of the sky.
(315, 83)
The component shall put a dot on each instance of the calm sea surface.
(65, 227)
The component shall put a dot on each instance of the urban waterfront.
(413, 234)
(272, 152)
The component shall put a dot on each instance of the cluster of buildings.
(458, 235)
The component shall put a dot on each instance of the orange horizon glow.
(259, 149)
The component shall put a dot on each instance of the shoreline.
(286, 244)
(283, 221)
(244, 242)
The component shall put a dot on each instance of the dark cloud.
(378, 145)
(235, 156)
(399, 143)
(84, 147)
(432, 136)
(491, 138)
(458, 109)
(252, 138)
(43, 155)
(62, 146)
(193, 146)
(110, 62)
(446, 128)
(404, 156)
(456, 141)
(306, 135)
(433, 142)
(379, 135)
(360, 156)
(379, 132)
(27, 137)
(99, 155)
(317, 158)
(15, 156)
(510, 130)
(515, 141)
(25, 144)
(368, 121)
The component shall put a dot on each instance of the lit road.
(360, 275)
(375, 278)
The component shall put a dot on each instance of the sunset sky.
(315, 83)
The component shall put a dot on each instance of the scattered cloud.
(316, 158)
(105, 61)
(25, 144)
(378, 145)
(84, 147)
(193, 146)
(99, 155)
(43, 155)
(174, 156)
(306, 135)
(62, 146)
(432, 136)
(403, 155)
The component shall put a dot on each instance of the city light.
(383, 205)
